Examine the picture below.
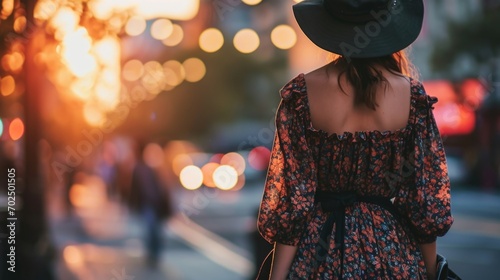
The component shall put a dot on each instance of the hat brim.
(379, 37)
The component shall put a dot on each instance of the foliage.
(478, 38)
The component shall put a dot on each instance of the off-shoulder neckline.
(361, 135)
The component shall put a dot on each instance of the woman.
(357, 186)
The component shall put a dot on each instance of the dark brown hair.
(364, 76)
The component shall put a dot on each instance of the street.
(210, 238)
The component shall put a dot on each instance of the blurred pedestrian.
(357, 186)
(151, 201)
(107, 168)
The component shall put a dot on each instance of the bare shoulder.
(315, 76)
(399, 83)
(320, 79)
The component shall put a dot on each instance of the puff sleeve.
(289, 188)
(424, 200)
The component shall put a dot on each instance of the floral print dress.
(407, 165)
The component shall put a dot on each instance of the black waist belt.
(336, 204)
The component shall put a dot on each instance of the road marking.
(214, 247)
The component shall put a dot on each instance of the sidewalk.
(105, 242)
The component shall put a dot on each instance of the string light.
(211, 40)
(246, 41)
(195, 69)
(16, 129)
(251, 2)
(283, 37)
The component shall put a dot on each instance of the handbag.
(443, 272)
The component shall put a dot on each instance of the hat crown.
(357, 10)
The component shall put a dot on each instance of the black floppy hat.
(360, 28)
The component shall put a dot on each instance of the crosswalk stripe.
(214, 247)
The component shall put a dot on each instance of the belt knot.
(335, 201)
(335, 204)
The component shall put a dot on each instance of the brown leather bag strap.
(265, 264)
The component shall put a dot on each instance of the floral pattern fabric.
(408, 165)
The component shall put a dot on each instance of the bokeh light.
(153, 79)
(110, 77)
(161, 29)
(102, 9)
(75, 51)
(92, 115)
(7, 85)
(135, 26)
(64, 21)
(1, 128)
(82, 88)
(72, 255)
(225, 177)
(7, 8)
(175, 37)
(191, 177)
(62, 77)
(211, 40)
(283, 37)
(258, 158)
(44, 10)
(13, 62)
(90, 193)
(246, 41)
(474, 92)
(82, 65)
(106, 96)
(147, 9)
(179, 162)
(174, 73)
(153, 155)
(133, 70)
(115, 24)
(137, 93)
(107, 51)
(234, 160)
(208, 172)
(240, 183)
(78, 195)
(172, 9)
(195, 69)
(107, 89)
(16, 129)
(166, 86)
(216, 157)
(251, 2)
(19, 24)
(76, 41)
(177, 156)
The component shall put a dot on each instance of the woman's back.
(358, 165)
(357, 178)
(332, 107)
